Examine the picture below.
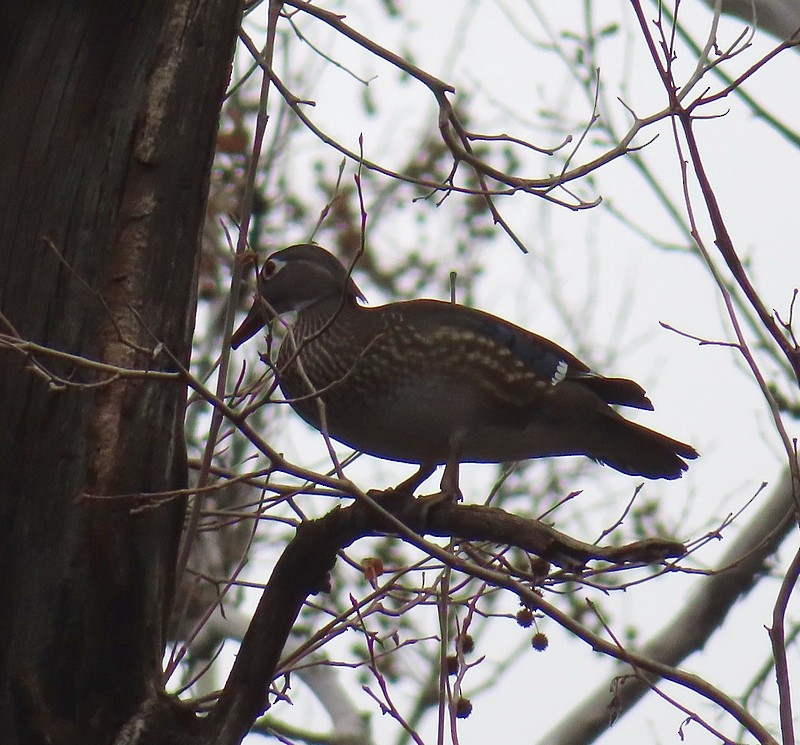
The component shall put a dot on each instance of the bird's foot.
(425, 503)
(404, 491)
(450, 491)
(391, 499)
(443, 495)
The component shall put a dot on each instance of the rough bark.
(109, 114)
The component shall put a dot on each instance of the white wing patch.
(560, 373)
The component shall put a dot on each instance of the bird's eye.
(268, 269)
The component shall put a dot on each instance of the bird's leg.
(448, 489)
(411, 484)
(449, 486)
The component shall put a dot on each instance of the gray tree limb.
(704, 612)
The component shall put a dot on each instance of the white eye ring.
(271, 268)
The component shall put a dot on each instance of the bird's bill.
(254, 321)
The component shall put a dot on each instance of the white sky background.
(700, 397)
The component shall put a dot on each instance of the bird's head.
(294, 279)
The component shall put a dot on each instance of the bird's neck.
(326, 338)
(324, 316)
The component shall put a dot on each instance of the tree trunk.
(108, 114)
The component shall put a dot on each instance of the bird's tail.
(633, 449)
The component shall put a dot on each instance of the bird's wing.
(546, 360)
